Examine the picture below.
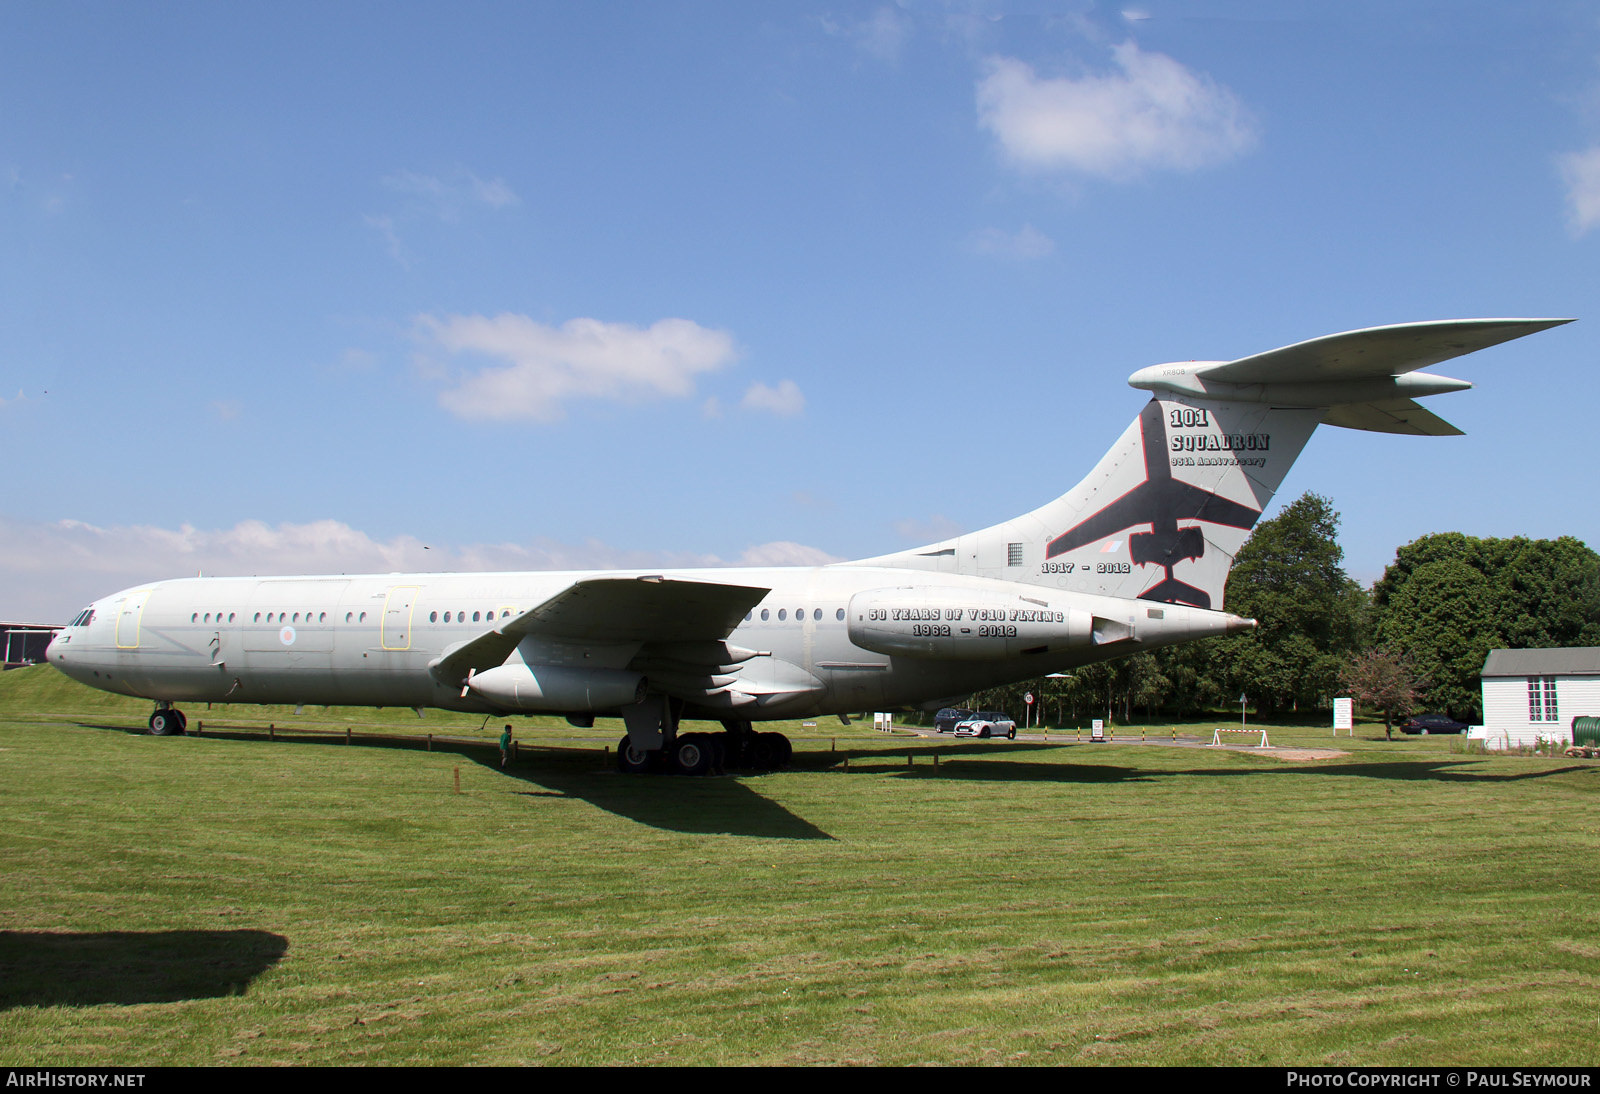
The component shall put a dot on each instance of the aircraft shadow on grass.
(709, 806)
(86, 969)
(1402, 770)
(1462, 771)
(726, 806)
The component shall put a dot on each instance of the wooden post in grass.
(271, 734)
(200, 726)
(346, 734)
(430, 742)
(458, 780)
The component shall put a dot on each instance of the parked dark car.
(1432, 723)
(947, 718)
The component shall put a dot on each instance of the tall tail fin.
(1164, 512)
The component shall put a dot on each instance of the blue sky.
(352, 287)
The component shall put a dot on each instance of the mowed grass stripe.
(1062, 904)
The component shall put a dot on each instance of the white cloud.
(1025, 243)
(50, 570)
(1581, 172)
(785, 553)
(785, 400)
(226, 410)
(385, 227)
(541, 367)
(1151, 113)
(881, 36)
(447, 196)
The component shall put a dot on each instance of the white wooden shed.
(1534, 694)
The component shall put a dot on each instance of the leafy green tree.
(1448, 599)
(1290, 576)
(1443, 620)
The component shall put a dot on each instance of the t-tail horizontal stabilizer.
(1365, 379)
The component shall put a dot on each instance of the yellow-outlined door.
(395, 631)
(128, 617)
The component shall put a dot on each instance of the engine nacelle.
(956, 624)
(557, 689)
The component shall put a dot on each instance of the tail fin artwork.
(1163, 513)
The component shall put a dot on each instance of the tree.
(1290, 576)
(1381, 678)
(1448, 599)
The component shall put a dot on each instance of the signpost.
(1344, 716)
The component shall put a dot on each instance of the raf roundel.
(286, 636)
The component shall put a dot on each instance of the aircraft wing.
(1375, 352)
(1391, 416)
(612, 611)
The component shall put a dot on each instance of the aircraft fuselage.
(369, 640)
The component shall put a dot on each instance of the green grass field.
(228, 898)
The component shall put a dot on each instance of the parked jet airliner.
(1134, 557)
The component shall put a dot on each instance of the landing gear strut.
(167, 721)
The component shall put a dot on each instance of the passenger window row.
(799, 615)
(461, 617)
(320, 617)
(277, 617)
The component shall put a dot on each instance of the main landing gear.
(708, 753)
(167, 722)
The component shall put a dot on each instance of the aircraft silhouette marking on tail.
(1160, 501)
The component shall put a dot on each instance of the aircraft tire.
(165, 723)
(756, 753)
(693, 756)
(744, 750)
(635, 761)
(778, 750)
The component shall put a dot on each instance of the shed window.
(1542, 699)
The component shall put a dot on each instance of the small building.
(1532, 695)
(25, 643)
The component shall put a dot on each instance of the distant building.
(1532, 694)
(25, 642)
